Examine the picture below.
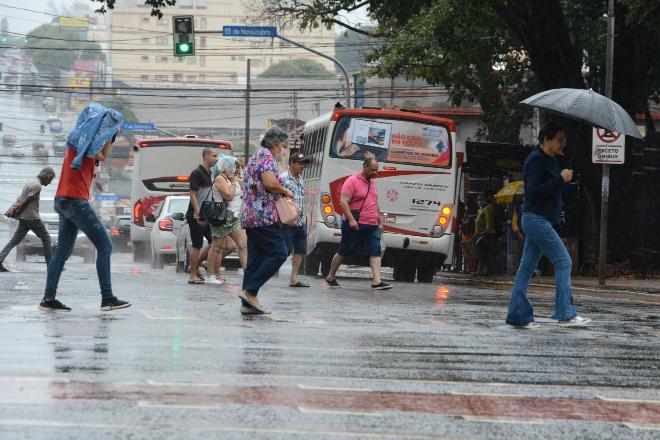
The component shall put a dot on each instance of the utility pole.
(605, 185)
(295, 119)
(247, 113)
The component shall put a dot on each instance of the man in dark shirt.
(544, 181)
(200, 187)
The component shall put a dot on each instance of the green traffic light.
(184, 48)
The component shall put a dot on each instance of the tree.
(298, 68)
(54, 49)
(122, 105)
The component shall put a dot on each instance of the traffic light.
(184, 35)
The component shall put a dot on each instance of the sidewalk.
(579, 283)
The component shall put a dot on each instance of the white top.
(235, 204)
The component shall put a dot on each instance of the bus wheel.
(425, 273)
(404, 272)
(326, 260)
(312, 263)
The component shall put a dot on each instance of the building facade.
(142, 45)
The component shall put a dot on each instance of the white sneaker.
(529, 326)
(578, 321)
(213, 280)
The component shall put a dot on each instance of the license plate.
(53, 227)
(389, 218)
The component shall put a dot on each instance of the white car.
(31, 244)
(163, 238)
(183, 245)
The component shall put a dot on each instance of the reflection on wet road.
(419, 361)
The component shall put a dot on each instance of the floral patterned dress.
(259, 204)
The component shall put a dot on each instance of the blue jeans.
(541, 239)
(266, 252)
(78, 214)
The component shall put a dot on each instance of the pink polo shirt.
(355, 188)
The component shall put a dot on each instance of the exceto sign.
(608, 147)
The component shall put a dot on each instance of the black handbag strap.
(365, 197)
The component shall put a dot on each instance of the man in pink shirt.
(362, 223)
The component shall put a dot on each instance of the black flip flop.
(299, 284)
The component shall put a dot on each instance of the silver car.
(183, 246)
(31, 244)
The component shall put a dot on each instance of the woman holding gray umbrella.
(544, 180)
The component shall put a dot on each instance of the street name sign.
(107, 197)
(138, 126)
(249, 31)
(608, 147)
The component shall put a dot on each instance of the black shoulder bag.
(212, 211)
(356, 212)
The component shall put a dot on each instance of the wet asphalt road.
(419, 361)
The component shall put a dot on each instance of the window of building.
(162, 40)
(202, 77)
(160, 77)
(202, 41)
(178, 77)
(145, 40)
(145, 58)
(179, 59)
(161, 59)
(234, 20)
(191, 78)
(185, 4)
(201, 4)
(241, 58)
(202, 61)
(145, 19)
(163, 22)
(203, 22)
(144, 77)
(233, 58)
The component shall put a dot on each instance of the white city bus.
(418, 186)
(161, 168)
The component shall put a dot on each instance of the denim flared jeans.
(541, 239)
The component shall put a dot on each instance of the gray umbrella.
(587, 106)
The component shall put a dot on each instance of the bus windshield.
(392, 140)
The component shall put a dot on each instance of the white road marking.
(311, 387)
(304, 409)
(626, 400)
(642, 427)
(502, 420)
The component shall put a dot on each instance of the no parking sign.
(608, 147)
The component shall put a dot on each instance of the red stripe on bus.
(335, 185)
(404, 231)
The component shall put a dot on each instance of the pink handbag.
(288, 211)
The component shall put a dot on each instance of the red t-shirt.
(75, 183)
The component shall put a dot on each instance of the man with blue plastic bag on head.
(88, 143)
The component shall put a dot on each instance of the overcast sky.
(21, 21)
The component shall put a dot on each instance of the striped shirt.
(297, 187)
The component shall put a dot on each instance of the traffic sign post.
(608, 147)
